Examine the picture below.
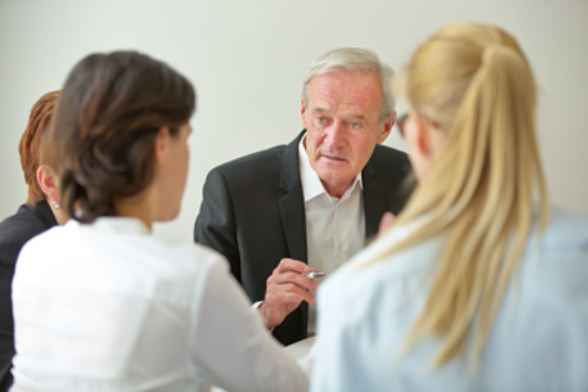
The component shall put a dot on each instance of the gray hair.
(358, 60)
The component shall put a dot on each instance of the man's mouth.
(333, 158)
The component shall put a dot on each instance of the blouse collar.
(115, 224)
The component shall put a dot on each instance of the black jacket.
(15, 231)
(253, 213)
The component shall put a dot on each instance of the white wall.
(247, 57)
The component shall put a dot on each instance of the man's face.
(342, 121)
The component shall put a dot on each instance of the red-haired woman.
(40, 212)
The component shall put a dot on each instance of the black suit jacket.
(253, 213)
(15, 231)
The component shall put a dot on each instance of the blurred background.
(247, 59)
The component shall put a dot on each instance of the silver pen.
(314, 275)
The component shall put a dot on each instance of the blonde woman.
(479, 284)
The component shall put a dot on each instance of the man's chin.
(333, 164)
(335, 177)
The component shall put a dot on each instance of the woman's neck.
(139, 206)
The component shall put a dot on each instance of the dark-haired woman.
(99, 304)
(39, 213)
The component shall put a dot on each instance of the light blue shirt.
(538, 342)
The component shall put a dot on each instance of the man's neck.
(336, 191)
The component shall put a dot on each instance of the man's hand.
(286, 289)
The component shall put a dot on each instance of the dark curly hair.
(101, 140)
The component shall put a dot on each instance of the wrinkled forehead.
(351, 91)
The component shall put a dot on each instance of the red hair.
(29, 143)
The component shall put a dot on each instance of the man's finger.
(290, 296)
(295, 278)
(293, 265)
(289, 288)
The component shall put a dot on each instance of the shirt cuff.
(257, 305)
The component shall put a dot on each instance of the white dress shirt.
(538, 340)
(335, 228)
(107, 307)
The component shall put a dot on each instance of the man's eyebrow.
(320, 110)
(352, 116)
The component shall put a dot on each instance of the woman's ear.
(160, 147)
(430, 138)
(48, 182)
(417, 136)
(422, 139)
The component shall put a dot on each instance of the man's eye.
(321, 121)
(355, 125)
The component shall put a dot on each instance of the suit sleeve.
(8, 254)
(215, 225)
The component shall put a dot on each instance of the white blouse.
(107, 307)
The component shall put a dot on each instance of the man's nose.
(335, 135)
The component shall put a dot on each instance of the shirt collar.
(311, 183)
(112, 224)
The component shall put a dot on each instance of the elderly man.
(283, 212)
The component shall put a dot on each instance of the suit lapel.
(373, 200)
(292, 203)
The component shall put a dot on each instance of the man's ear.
(47, 180)
(160, 147)
(302, 110)
(386, 127)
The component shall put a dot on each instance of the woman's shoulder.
(20, 227)
(557, 269)
(566, 229)
(180, 255)
(193, 252)
(559, 255)
(122, 245)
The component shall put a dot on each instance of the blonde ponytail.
(479, 195)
